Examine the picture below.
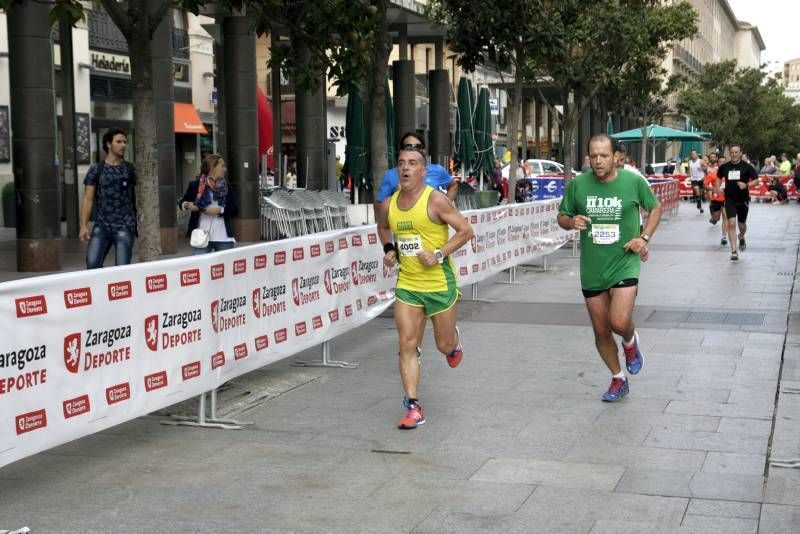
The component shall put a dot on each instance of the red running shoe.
(413, 418)
(454, 358)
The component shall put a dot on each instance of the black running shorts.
(736, 209)
(627, 282)
(716, 205)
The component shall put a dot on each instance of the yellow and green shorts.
(433, 302)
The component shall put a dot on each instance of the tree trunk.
(144, 127)
(645, 146)
(514, 123)
(569, 120)
(376, 101)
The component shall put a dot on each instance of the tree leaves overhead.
(581, 46)
(643, 85)
(743, 106)
(339, 34)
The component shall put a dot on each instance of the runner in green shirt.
(604, 205)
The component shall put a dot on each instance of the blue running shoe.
(633, 356)
(617, 390)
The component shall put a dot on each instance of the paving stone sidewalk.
(517, 439)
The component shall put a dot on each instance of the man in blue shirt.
(110, 189)
(436, 176)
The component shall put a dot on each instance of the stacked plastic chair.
(294, 212)
(335, 205)
(313, 210)
(465, 200)
(282, 215)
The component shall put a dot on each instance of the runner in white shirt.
(697, 173)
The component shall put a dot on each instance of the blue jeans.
(100, 243)
(212, 246)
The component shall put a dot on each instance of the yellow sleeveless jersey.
(414, 232)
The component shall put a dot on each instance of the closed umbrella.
(391, 143)
(465, 136)
(356, 153)
(264, 111)
(610, 126)
(482, 124)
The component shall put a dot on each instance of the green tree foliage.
(644, 86)
(338, 33)
(580, 46)
(499, 38)
(743, 106)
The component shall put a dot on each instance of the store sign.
(336, 133)
(111, 63)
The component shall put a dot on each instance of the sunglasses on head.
(413, 146)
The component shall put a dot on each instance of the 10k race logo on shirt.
(604, 207)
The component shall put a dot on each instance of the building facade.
(791, 74)
(103, 93)
(720, 37)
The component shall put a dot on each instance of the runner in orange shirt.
(715, 192)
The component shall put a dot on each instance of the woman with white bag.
(211, 202)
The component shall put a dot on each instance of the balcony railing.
(684, 56)
(104, 34)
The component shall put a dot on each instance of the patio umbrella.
(356, 152)
(391, 143)
(610, 126)
(482, 124)
(465, 135)
(688, 146)
(656, 132)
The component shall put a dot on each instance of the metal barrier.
(668, 193)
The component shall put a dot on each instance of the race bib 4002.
(734, 175)
(409, 244)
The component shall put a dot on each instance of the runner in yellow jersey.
(419, 219)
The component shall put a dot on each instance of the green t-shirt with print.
(613, 208)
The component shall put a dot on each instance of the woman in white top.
(211, 201)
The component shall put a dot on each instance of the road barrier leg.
(512, 277)
(205, 422)
(325, 361)
(475, 291)
(574, 248)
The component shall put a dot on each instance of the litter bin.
(486, 199)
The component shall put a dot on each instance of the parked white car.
(540, 167)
